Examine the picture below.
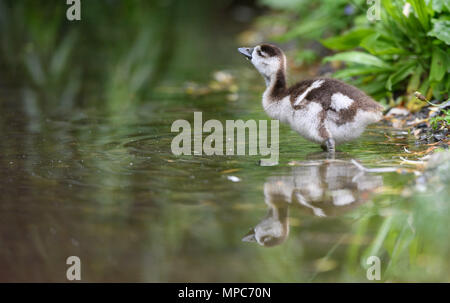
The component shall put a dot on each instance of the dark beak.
(246, 51)
(250, 236)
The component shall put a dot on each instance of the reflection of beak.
(250, 236)
(246, 51)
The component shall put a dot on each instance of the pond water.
(86, 170)
(109, 190)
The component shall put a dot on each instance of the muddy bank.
(429, 125)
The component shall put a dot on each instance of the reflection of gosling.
(323, 188)
(273, 229)
(325, 111)
(331, 188)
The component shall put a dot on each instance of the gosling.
(326, 111)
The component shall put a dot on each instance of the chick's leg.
(330, 145)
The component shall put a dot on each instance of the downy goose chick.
(325, 111)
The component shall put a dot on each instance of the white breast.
(306, 122)
(281, 110)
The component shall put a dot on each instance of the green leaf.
(438, 64)
(374, 86)
(421, 9)
(441, 30)
(402, 242)
(414, 82)
(376, 46)
(424, 87)
(400, 75)
(439, 89)
(441, 5)
(376, 245)
(349, 40)
(61, 55)
(392, 10)
(358, 57)
(437, 5)
(447, 4)
(357, 71)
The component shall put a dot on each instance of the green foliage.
(360, 58)
(306, 21)
(118, 55)
(441, 30)
(53, 59)
(405, 51)
(445, 119)
(351, 40)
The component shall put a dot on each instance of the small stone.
(445, 105)
(421, 180)
(417, 132)
(422, 125)
(233, 178)
(439, 137)
(423, 113)
(398, 111)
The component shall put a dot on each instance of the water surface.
(108, 189)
